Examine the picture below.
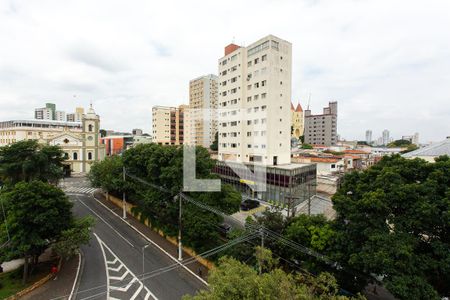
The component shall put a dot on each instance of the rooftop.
(435, 149)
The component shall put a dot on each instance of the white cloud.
(386, 62)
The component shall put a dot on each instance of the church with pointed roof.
(297, 120)
(83, 148)
(80, 141)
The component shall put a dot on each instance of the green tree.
(399, 143)
(108, 174)
(393, 220)
(307, 146)
(72, 238)
(215, 145)
(27, 160)
(314, 232)
(409, 148)
(37, 214)
(234, 280)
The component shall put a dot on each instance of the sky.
(387, 63)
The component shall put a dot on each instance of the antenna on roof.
(309, 100)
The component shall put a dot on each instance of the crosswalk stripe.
(124, 289)
(137, 292)
(120, 278)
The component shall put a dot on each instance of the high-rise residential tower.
(168, 125)
(201, 126)
(77, 116)
(385, 137)
(46, 113)
(322, 129)
(368, 137)
(254, 102)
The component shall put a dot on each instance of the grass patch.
(11, 282)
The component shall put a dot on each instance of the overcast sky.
(387, 63)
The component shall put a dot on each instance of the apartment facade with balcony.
(168, 125)
(254, 102)
(201, 120)
(321, 129)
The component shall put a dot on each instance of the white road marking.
(128, 272)
(153, 243)
(76, 277)
(106, 266)
(129, 243)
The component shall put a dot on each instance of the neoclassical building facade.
(80, 141)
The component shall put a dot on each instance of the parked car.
(249, 204)
(225, 229)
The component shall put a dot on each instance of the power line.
(174, 266)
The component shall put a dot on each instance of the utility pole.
(180, 248)
(124, 203)
(262, 249)
(143, 259)
(309, 198)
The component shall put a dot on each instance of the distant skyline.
(387, 63)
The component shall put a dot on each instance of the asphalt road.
(112, 263)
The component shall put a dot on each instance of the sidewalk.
(155, 237)
(58, 287)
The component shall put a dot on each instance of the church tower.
(91, 151)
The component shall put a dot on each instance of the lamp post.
(124, 204)
(143, 259)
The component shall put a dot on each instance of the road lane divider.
(152, 242)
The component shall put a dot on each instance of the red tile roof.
(356, 152)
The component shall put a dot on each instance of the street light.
(143, 259)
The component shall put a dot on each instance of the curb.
(76, 282)
(34, 286)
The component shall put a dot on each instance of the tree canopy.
(235, 280)
(399, 143)
(163, 166)
(27, 160)
(393, 220)
(215, 145)
(37, 213)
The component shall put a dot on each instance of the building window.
(89, 155)
(90, 128)
(75, 156)
(264, 57)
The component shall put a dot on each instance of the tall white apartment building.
(168, 125)
(385, 137)
(43, 113)
(60, 115)
(255, 102)
(201, 119)
(77, 116)
(368, 137)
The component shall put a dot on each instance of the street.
(113, 263)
